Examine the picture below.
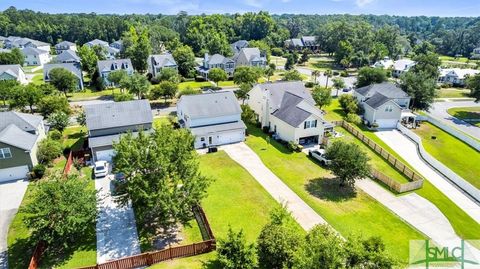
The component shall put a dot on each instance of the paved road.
(11, 195)
(408, 150)
(439, 111)
(246, 157)
(116, 229)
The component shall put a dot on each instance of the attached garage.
(387, 123)
(104, 155)
(13, 173)
(219, 134)
(231, 137)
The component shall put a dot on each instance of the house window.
(310, 124)
(5, 153)
(202, 139)
(388, 108)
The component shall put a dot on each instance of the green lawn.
(321, 63)
(20, 245)
(453, 93)
(452, 152)
(88, 93)
(334, 111)
(227, 83)
(278, 61)
(235, 199)
(38, 79)
(348, 214)
(194, 85)
(73, 137)
(465, 112)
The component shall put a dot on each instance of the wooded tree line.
(213, 33)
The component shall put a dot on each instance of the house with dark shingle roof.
(213, 118)
(19, 137)
(238, 46)
(64, 46)
(305, 42)
(288, 110)
(250, 57)
(107, 122)
(67, 56)
(384, 103)
(107, 66)
(216, 61)
(159, 61)
(72, 67)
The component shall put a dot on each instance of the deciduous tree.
(322, 96)
(370, 75)
(185, 59)
(217, 74)
(63, 80)
(235, 253)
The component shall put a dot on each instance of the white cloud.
(262, 3)
(362, 3)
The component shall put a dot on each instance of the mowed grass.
(88, 93)
(452, 152)
(194, 85)
(348, 215)
(21, 245)
(235, 199)
(465, 112)
(453, 93)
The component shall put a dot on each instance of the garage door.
(387, 123)
(13, 173)
(231, 137)
(104, 155)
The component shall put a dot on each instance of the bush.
(55, 134)
(266, 129)
(344, 73)
(58, 120)
(48, 150)
(294, 146)
(353, 118)
(121, 97)
(336, 73)
(375, 125)
(234, 252)
(277, 52)
(310, 84)
(39, 170)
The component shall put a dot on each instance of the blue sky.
(391, 7)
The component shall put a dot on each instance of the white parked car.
(101, 169)
(319, 154)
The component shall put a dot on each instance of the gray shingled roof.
(218, 59)
(205, 130)
(14, 136)
(33, 51)
(388, 89)
(238, 45)
(64, 44)
(289, 112)
(207, 105)
(376, 100)
(277, 90)
(252, 54)
(118, 114)
(107, 65)
(26, 122)
(66, 56)
(11, 69)
(297, 42)
(162, 60)
(97, 42)
(74, 68)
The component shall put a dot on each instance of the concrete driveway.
(439, 111)
(11, 195)
(116, 228)
(248, 159)
(408, 150)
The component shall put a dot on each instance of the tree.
(349, 162)
(370, 75)
(322, 249)
(292, 75)
(136, 84)
(58, 120)
(48, 150)
(242, 92)
(420, 87)
(234, 253)
(304, 58)
(15, 56)
(88, 60)
(367, 253)
(217, 74)
(137, 47)
(170, 74)
(290, 62)
(246, 75)
(189, 91)
(163, 177)
(473, 83)
(60, 210)
(82, 118)
(162, 37)
(53, 103)
(328, 74)
(165, 89)
(315, 74)
(248, 115)
(338, 83)
(185, 59)
(100, 52)
(322, 96)
(63, 80)
(270, 71)
(116, 76)
(6, 89)
(122, 97)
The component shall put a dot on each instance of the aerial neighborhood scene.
(269, 134)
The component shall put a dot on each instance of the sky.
(444, 8)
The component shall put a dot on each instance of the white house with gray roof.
(67, 56)
(107, 66)
(19, 137)
(213, 118)
(216, 61)
(456, 76)
(157, 62)
(64, 46)
(72, 67)
(385, 104)
(106, 123)
(13, 72)
(238, 46)
(250, 57)
(97, 42)
(288, 110)
(34, 56)
(23, 42)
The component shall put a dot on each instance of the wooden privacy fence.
(416, 181)
(37, 255)
(68, 165)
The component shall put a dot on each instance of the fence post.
(170, 253)
(194, 249)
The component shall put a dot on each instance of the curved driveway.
(439, 111)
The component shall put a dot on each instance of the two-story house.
(238, 46)
(159, 61)
(23, 42)
(117, 45)
(34, 56)
(250, 57)
(72, 67)
(402, 66)
(64, 46)
(19, 137)
(456, 76)
(107, 122)
(13, 72)
(97, 42)
(107, 66)
(305, 42)
(288, 110)
(216, 61)
(213, 118)
(67, 56)
(384, 104)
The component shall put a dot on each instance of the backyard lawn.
(235, 199)
(194, 85)
(347, 213)
(453, 93)
(88, 93)
(456, 155)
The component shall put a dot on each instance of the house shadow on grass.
(329, 189)
(211, 264)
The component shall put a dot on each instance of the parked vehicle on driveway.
(319, 154)
(101, 169)
(118, 184)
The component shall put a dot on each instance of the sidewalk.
(304, 214)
